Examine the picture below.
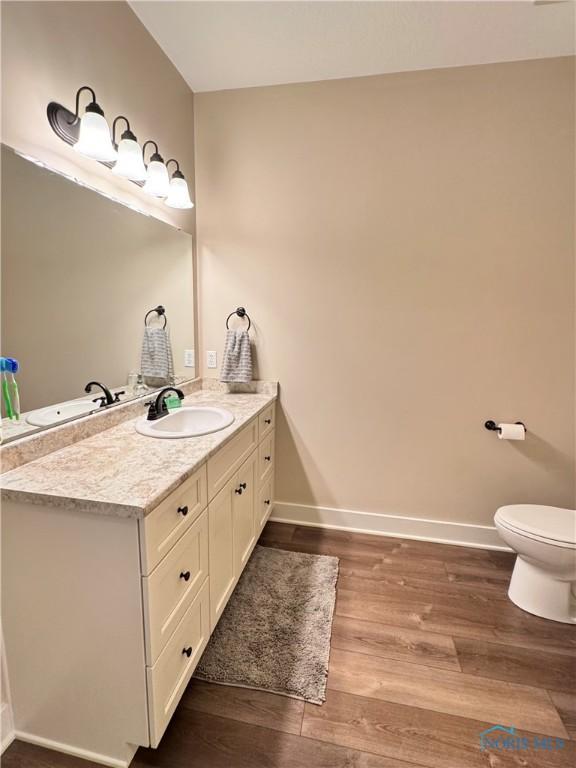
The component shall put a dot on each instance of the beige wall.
(50, 49)
(405, 247)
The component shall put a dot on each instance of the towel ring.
(241, 312)
(160, 311)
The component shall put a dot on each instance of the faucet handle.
(117, 395)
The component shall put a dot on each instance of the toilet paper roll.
(511, 432)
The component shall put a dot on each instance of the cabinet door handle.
(183, 510)
(267, 458)
(238, 491)
(243, 485)
(267, 421)
(187, 651)
(185, 575)
(267, 502)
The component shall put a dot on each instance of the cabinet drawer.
(228, 459)
(173, 584)
(266, 421)
(162, 528)
(266, 458)
(168, 678)
(264, 504)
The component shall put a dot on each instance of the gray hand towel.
(157, 364)
(237, 358)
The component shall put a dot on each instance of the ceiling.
(221, 45)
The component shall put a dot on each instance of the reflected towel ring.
(160, 311)
(241, 312)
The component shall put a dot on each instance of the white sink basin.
(190, 421)
(55, 413)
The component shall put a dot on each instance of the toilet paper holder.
(493, 427)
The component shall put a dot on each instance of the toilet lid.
(550, 523)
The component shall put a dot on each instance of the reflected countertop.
(120, 472)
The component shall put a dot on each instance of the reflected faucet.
(107, 398)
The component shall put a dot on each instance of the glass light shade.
(94, 140)
(179, 197)
(130, 164)
(157, 182)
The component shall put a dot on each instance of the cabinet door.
(244, 499)
(221, 549)
(264, 504)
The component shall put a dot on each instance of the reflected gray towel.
(237, 358)
(157, 364)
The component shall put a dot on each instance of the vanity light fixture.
(130, 163)
(90, 136)
(157, 182)
(178, 196)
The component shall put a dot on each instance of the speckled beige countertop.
(120, 472)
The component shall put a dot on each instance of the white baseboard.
(440, 531)
(6, 727)
(68, 749)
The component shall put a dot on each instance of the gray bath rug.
(274, 634)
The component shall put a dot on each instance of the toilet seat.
(550, 525)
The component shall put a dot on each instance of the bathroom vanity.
(119, 554)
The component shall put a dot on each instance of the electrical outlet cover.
(189, 358)
(211, 359)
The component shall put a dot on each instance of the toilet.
(544, 577)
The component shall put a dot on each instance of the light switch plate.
(189, 358)
(211, 359)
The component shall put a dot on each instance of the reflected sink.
(55, 413)
(189, 421)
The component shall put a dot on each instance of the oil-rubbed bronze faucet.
(158, 406)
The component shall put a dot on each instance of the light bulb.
(157, 182)
(94, 140)
(179, 197)
(130, 164)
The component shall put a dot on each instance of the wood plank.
(453, 553)
(473, 582)
(198, 740)
(394, 642)
(367, 607)
(452, 693)
(441, 584)
(358, 564)
(406, 588)
(482, 569)
(369, 544)
(519, 665)
(502, 622)
(277, 532)
(22, 755)
(427, 738)
(565, 703)
(245, 705)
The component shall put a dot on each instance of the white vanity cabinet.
(106, 617)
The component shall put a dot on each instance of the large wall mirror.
(79, 274)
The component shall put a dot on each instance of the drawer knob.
(183, 510)
(187, 651)
(185, 575)
(267, 502)
(267, 421)
(267, 458)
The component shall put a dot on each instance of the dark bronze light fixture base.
(67, 127)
